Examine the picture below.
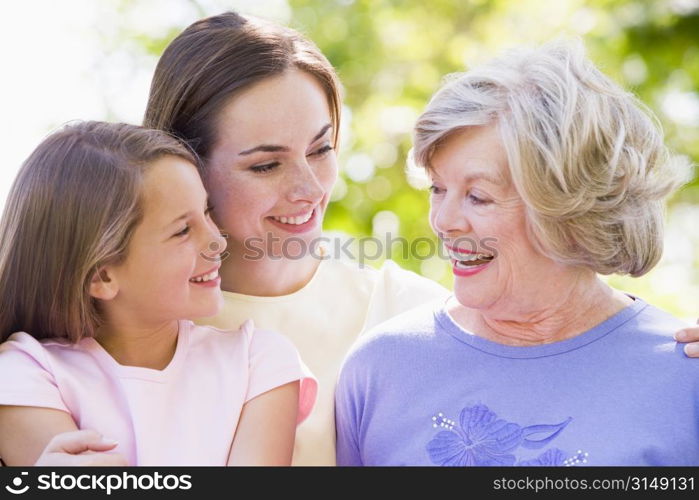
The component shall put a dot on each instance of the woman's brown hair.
(72, 209)
(216, 57)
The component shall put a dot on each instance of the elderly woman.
(545, 174)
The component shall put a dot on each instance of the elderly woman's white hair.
(586, 157)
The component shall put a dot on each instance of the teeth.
(470, 263)
(461, 257)
(207, 277)
(301, 219)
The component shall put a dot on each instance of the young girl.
(106, 248)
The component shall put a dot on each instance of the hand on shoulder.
(690, 335)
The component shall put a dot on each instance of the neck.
(131, 345)
(266, 277)
(561, 316)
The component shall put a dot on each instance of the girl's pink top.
(185, 414)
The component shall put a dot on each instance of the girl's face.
(273, 166)
(171, 267)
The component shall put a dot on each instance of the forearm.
(25, 431)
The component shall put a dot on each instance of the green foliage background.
(392, 54)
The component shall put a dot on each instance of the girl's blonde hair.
(586, 157)
(72, 209)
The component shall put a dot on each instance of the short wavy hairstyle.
(587, 157)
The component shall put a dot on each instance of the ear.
(104, 284)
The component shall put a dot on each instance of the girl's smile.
(208, 279)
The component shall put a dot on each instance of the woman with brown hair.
(261, 106)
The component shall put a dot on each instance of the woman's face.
(480, 218)
(272, 168)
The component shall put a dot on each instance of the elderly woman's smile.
(468, 263)
(480, 218)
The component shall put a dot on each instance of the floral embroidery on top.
(481, 438)
(555, 457)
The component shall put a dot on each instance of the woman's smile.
(302, 223)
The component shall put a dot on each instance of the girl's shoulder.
(22, 347)
(35, 372)
(269, 358)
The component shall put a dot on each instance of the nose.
(215, 243)
(305, 184)
(448, 216)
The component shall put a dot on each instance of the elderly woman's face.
(480, 218)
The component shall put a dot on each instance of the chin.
(211, 310)
(469, 296)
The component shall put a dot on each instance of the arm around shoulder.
(690, 335)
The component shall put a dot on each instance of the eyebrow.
(188, 214)
(273, 148)
(497, 180)
(181, 217)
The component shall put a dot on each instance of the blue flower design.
(550, 458)
(481, 438)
